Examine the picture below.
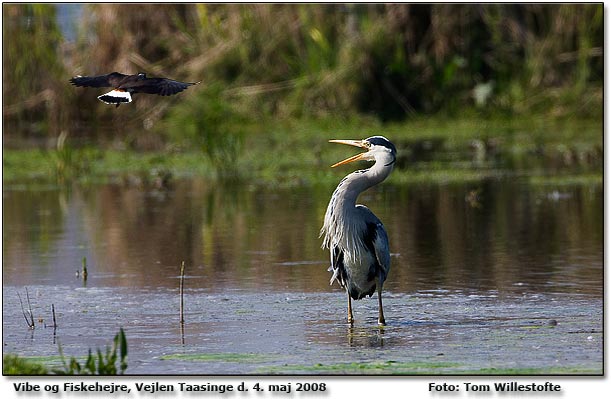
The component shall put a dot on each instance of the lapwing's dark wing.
(161, 86)
(111, 80)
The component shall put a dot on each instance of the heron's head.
(141, 75)
(378, 148)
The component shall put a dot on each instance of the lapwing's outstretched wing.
(126, 85)
(161, 86)
(110, 80)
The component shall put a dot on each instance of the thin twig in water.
(54, 323)
(54, 320)
(84, 262)
(182, 286)
(30, 320)
(182, 303)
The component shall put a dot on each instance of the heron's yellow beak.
(355, 143)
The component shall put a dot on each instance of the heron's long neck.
(339, 227)
(361, 180)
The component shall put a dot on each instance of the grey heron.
(124, 85)
(360, 256)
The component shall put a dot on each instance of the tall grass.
(283, 61)
(101, 363)
(32, 69)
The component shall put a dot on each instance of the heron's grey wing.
(161, 86)
(382, 249)
(376, 240)
(109, 80)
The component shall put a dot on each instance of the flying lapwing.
(126, 85)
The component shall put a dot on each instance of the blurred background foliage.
(261, 62)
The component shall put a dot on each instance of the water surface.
(495, 276)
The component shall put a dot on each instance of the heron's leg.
(381, 320)
(350, 316)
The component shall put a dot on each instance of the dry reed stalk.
(182, 285)
(29, 321)
(54, 319)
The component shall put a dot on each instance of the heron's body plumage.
(358, 245)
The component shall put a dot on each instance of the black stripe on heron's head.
(382, 141)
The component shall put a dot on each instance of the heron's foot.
(381, 322)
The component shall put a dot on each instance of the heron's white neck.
(338, 227)
(357, 182)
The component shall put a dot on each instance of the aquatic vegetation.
(383, 367)
(15, 365)
(391, 367)
(217, 357)
(532, 371)
(94, 364)
(101, 363)
(293, 153)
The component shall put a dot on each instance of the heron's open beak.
(355, 143)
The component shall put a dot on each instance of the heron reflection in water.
(360, 256)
